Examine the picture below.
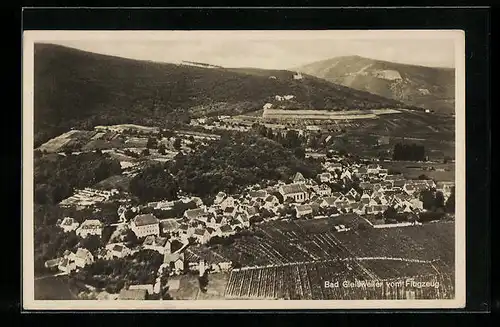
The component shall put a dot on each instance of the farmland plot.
(307, 282)
(427, 242)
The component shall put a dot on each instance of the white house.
(169, 225)
(90, 227)
(219, 198)
(193, 214)
(303, 210)
(243, 219)
(350, 199)
(416, 204)
(118, 250)
(296, 192)
(201, 235)
(66, 265)
(409, 188)
(254, 195)
(297, 76)
(346, 175)
(225, 230)
(323, 190)
(228, 202)
(353, 192)
(445, 188)
(144, 225)
(156, 243)
(373, 169)
(83, 257)
(230, 212)
(69, 224)
(325, 177)
(328, 202)
(299, 179)
(271, 202)
(383, 172)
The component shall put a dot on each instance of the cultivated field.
(307, 282)
(73, 139)
(281, 242)
(427, 242)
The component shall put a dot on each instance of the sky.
(272, 51)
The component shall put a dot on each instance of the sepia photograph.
(287, 169)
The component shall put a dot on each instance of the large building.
(90, 227)
(144, 225)
(296, 192)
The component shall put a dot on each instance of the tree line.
(408, 152)
(56, 178)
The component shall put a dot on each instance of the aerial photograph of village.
(244, 169)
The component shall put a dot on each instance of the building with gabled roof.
(192, 214)
(325, 177)
(69, 224)
(296, 192)
(119, 251)
(144, 225)
(83, 257)
(202, 235)
(299, 178)
(219, 198)
(90, 227)
(169, 225)
(302, 210)
(262, 194)
(230, 211)
(225, 230)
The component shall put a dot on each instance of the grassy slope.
(439, 81)
(75, 88)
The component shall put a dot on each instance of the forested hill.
(427, 87)
(74, 88)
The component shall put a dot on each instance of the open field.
(53, 288)
(326, 114)
(73, 139)
(411, 170)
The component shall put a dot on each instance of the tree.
(152, 143)
(439, 200)
(428, 199)
(299, 152)
(161, 149)
(154, 184)
(390, 213)
(91, 243)
(450, 202)
(177, 143)
(145, 152)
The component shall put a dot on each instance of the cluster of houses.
(71, 261)
(376, 191)
(88, 197)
